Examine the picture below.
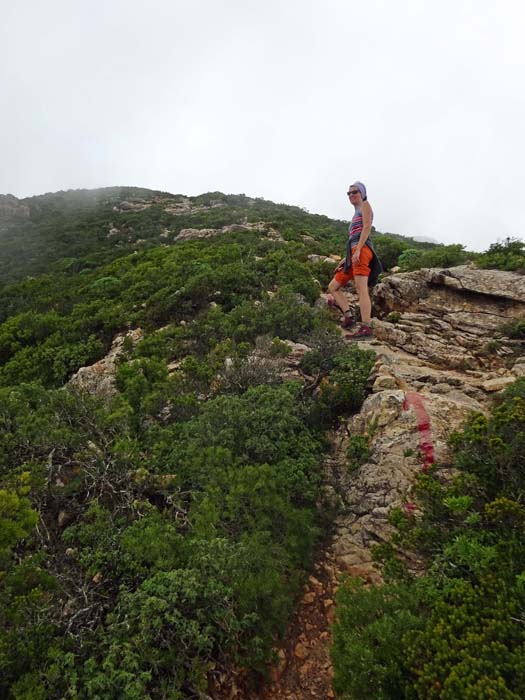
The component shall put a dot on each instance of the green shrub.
(514, 329)
(27, 592)
(344, 390)
(394, 317)
(411, 259)
(367, 654)
(491, 448)
(504, 255)
(17, 518)
(389, 249)
(472, 645)
(173, 622)
(437, 256)
(358, 452)
(326, 344)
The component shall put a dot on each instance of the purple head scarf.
(360, 187)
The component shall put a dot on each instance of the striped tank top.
(356, 226)
(355, 229)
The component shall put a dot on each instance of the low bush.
(514, 329)
(357, 452)
(437, 256)
(504, 255)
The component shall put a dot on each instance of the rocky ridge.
(433, 368)
(181, 205)
(437, 351)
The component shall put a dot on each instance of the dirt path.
(305, 669)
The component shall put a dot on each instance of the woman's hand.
(356, 255)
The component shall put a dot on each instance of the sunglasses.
(353, 192)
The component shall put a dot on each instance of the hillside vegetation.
(153, 542)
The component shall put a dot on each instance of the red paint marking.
(416, 401)
(409, 508)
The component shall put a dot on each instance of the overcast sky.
(287, 100)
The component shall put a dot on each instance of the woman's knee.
(361, 285)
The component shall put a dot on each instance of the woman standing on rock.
(359, 262)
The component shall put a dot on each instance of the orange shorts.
(362, 267)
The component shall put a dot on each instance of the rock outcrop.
(181, 205)
(12, 208)
(440, 358)
(451, 317)
(403, 289)
(99, 378)
(189, 234)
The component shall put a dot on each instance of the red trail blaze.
(416, 401)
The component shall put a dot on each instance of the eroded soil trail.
(305, 669)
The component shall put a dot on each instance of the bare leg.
(340, 299)
(365, 305)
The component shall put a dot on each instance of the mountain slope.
(161, 505)
(69, 231)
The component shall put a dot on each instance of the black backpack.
(376, 268)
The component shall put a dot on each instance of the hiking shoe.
(364, 332)
(347, 322)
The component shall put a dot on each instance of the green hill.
(71, 230)
(155, 538)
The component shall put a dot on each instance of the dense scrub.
(156, 540)
(458, 631)
(52, 324)
(503, 255)
(139, 552)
